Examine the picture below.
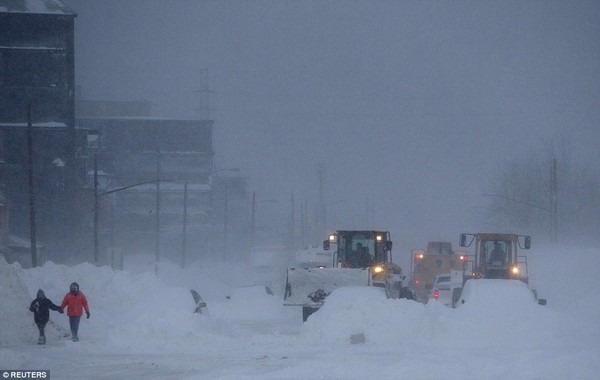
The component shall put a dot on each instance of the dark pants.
(74, 323)
(41, 326)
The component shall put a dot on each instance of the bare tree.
(547, 193)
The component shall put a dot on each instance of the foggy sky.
(412, 104)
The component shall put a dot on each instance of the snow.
(143, 326)
(50, 124)
(36, 6)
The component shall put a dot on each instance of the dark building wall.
(37, 74)
(37, 67)
(146, 134)
(128, 148)
(105, 109)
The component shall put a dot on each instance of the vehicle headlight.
(378, 269)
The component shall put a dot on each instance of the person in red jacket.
(75, 302)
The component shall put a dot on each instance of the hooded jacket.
(41, 307)
(76, 302)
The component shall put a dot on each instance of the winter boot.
(42, 339)
(75, 338)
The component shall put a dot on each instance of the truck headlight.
(378, 269)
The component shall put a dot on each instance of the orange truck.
(438, 259)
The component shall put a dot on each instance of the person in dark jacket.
(41, 307)
(75, 302)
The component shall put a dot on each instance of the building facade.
(37, 90)
(159, 192)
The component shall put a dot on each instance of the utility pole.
(303, 222)
(32, 229)
(322, 222)
(252, 226)
(112, 202)
(184, 240)
(292, 231)
(554, 199)
(225, 218)
(157, 227)
(112, 234)
(96, 208)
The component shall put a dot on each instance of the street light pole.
(225, 206)
(157, 231)
(252, 220)
(225, 219)
(184, 238)
(96, 207)
(32, 229)
(97, 196)
(554, 205)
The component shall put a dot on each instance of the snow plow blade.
(308, 287)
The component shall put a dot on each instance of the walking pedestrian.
(75, 302)
(41, 307)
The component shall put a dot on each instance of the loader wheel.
(307, 311)
(407, 293)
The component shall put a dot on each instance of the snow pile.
(15, 306)
(123, 306)
(504, 313)
(364, 314)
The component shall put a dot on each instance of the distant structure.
(117, 145)
(37, 74)
(133, 148)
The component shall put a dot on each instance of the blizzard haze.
(410, 108)
(413, 111)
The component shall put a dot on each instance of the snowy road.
(284, 360)
(142, 327)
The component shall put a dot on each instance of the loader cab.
(497, 252)
(496, 258)
(359, 249)
(497, 255)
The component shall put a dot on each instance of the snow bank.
(123, 307)
(504, 313)
(497, 313)
(17, 321)
(364, 314)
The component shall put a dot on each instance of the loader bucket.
(308, 287)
